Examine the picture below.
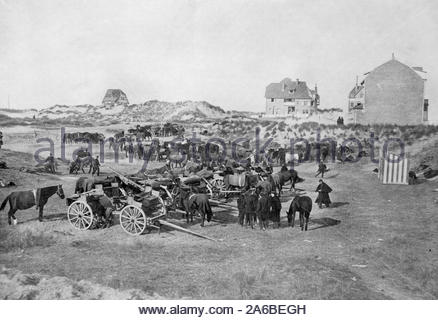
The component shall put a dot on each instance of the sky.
(223, 52)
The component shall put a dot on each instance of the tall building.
(392, 93)
(290, 98)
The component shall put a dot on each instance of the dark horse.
(196, 201)
(303, 204)
(279, 179)
(22, 200)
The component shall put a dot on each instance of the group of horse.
(191, 199)
(82, 137)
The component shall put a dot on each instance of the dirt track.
(378, 242)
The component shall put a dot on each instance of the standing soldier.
(1, 139)
(241, 208)
(96, 166)
(342, 153)
(323, 194)
(282, 156)
(250, 208)
(321, 169)
(51, 162)
(275, 210)
(263, 207)
(324, 153)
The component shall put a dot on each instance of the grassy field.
(377, 242)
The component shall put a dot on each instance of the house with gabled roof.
(114, 97)
(290, 98)
(392, 93)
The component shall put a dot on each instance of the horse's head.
(60, 191)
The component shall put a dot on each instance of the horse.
(196, 201)
(279, 179)
(80, 164)
(303, 204)
(22, 200)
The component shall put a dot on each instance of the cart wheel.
(133, 220)
(218, 184)
(80, 215)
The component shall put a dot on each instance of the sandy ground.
(376, 242)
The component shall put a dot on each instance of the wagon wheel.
(219, 184)
(80, 215)
(133, 220)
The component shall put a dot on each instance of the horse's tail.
(4, 203)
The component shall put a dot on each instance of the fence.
(393, 169)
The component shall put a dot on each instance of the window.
(287, 100)
(272, 99)
(425, 109)
(290, 109)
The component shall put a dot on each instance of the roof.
(389, 66)
(355, 91)
(114, 95)
(394, 64)
(288, 89)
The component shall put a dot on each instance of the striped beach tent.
(393, 169)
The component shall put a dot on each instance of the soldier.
(102, 205)
(250, 198)
(321, 169)
(275, 210)
(51, 162)
(324, 153)
(96, 166)
(263, 207)
(323, 194)
(1, 139)
(241, 208)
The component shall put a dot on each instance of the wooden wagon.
(138, 213)
(135, 217)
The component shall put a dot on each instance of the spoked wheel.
(133, 220)
(80, 215)
(218, 187)
(218, 184)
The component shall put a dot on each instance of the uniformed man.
(96, 166)
(321, 169)
(275, 210)
(323, 194)
(51, 162)
(263, 208)
(250, 209)
(241, 208)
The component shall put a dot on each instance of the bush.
(15, 239)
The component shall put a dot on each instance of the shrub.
(15, 239)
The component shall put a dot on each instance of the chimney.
(393, 57)
(357, 81)
(316, 89)
(298, 81)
